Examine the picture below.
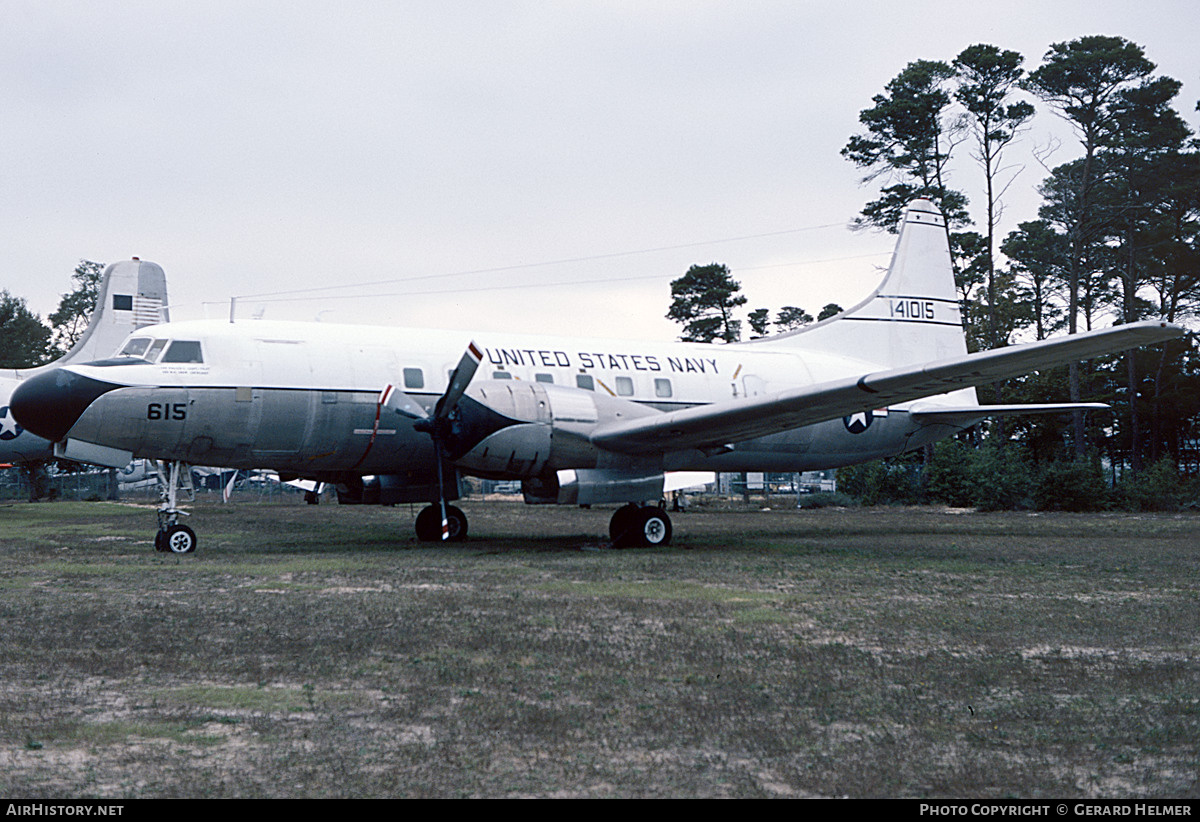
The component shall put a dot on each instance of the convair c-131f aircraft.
(389, 416)
(131, 294)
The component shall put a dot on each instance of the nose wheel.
(176, 539)
(173, 537)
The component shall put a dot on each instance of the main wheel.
(642, 527)
(429, 524)
(653, 528)
(180, 539)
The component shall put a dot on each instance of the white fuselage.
(304, 398)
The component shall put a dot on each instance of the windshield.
(142, 348)
(135, 347)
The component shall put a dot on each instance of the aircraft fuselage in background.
(131, 294)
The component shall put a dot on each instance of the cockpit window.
(144, 348)
(135, 347)
(183, 351)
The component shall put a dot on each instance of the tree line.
(703, 300)
(1116, 237)
(26, 341)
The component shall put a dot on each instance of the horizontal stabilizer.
(969, 414)
(713, 426)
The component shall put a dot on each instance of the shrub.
(994, 477)
(1003, 479)
(882, 482)
(1157, 488)
(950, 477)
(1071, 485)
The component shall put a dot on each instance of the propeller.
(438, 426)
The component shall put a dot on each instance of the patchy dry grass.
(320, 651)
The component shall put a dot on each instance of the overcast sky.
(527, 165)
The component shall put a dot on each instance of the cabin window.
(414, 378)
(501, 375)
(662, 388)
(624, 386)
(544, 377)
(585, 382)
(183, 351)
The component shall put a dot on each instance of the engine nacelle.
(594, 486)
(516, 429)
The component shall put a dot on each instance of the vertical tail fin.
(132, 293)
(913, 316)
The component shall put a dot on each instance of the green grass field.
(321, 652)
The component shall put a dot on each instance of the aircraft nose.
(50, 403)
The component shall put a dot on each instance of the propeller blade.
(395, 399)
(459, 380)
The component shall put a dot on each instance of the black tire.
(634, 526)
(160, 541)
(429, 524)
(653, 528)
(180, 540)
(623, 524)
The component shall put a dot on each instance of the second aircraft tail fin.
(132, 293)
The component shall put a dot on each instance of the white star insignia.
(7, 424)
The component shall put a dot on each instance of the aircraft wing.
(711, 427)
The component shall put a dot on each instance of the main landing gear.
(640, 526)
(632, 526)
(174, 537)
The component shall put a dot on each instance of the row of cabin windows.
(414, 378)
(624, 385)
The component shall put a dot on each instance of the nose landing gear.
(174, 537)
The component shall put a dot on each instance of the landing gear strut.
(640, 526)
(173, 536)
